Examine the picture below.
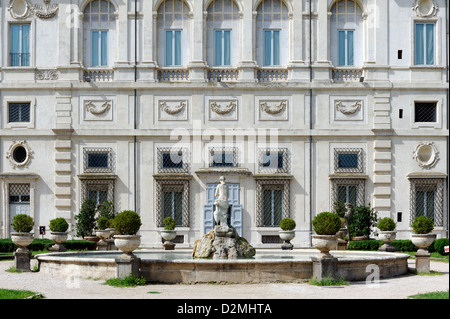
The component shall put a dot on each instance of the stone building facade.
(298, 103)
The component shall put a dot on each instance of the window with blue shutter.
(222, 47)
(173, 47)
(271, 47)
(424, 43)
(346, 50)
(20, 45)
(99, 48)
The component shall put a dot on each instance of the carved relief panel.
(272, 109)
(170, 109)
(347, 109)
(97, 108)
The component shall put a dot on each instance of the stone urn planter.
(324, 243)
(387, 237)
(168, 236)
(423, 241)
(59, 238)
(127, 243)
(103, 234)
(22, 240)
(287, 236)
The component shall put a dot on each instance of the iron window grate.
(427, 199)
(223, 157)
(274, 161)
(100, 191)
(348, 191)
(19, 193)
(98, 160)
(272, 201)
(172, 199)
(348, 160)
(19, 112)
(173, 160)
(425, 112)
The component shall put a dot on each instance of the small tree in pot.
(387, 233)
(169, 233)
(363, 219)
(58, 233)
(422, 237)
(86, 219)
(326, 225)
(23, 225)
(287, 232)
(127, 224)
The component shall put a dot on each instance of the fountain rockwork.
(223, 241)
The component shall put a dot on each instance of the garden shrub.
(422, 225)
(439, 245)
(326, 223)
(103, 223)
(373, 245)
(59, 225)
(7, 246)
(127, 222)
(22, 223)
(362, 221)
(386, 224)
(86, 218)
(287, 224)
(169, 223)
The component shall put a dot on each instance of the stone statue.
(221, 212)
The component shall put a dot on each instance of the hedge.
(374, 245)
(7, 246)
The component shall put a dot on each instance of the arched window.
(272, 33)
(223, 32)
(99, 25)
(173, 33)
(346, 34)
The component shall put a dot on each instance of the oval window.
(20, 154)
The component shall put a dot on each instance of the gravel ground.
(55, 287)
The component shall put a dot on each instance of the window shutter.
(341, 48)
(276, 47)
(169, 48)
(104, 48)
(267, 47)
(218, 48)
(430, 43)
(350, 60)
(95, 48)
(420, 59)
(178, 47)
(227, 47)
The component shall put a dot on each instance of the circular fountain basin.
(266, 266)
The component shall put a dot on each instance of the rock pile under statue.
(223, 241)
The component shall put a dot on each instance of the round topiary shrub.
(59, 225)
(22, 223)
(386, 224)
(422, 225)
(439, 245)
(169, 223)
(326, 223)
(287, 224)
(102, 223)
(127, 222)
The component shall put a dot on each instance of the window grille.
(173, 160)
(425, 112)
(100, 190)
(274, 161)
(348, 190)
(427, 199)
(348, 160)
(19, 112)
(272, 201)
(19, 193)
(223, 157)
(172, 199)
(271, 239)
(98, 160)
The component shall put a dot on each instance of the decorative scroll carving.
(46, 75)
(46, 12)
(94, 108)
(426, 154)
(425, 8)
(222, 109)
(273, 109)
(20, 9)
(348, 107)
(172, 110)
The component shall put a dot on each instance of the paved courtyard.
(57, 287)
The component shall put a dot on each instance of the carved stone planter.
(387, 237)
(324, 243)
(59, 238)
(168, 236)
(423, 241)
(287, 236)
(103, 234)
(127, 243)
(22, 255)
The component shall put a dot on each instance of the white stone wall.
(136, 116)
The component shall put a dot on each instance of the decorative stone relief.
(273, 109)
(172, 110)
(97, 110)
(19, 154)
(348, 107)
(425, 8)
(98, 107)
(223, 110)
(20, 9)
(42, 75)
(426, 154)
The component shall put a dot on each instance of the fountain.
(223, 256)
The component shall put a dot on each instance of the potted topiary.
(127, 224)
(287, 233)
(361, 222)
(58, 233)
(169, 233)
(23, 225)
(387, 233)
(422, 237)
(102, 232)
(326, 225)
(86, 220)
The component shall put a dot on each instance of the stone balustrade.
(98, 75)
(346, 74)
(173, 75)
(272, 75)
(219, 74)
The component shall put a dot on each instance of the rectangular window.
(346, 51)
(348, 160)
(173, 47)
(19, 112)
(99, 48)
(271, 47)
(348, 194)
(427, 199)
(272, 209)
(173, 206)
(100, 196)
(348, 190)
(98, 160)
(425, 112)
(172, 160)
(222, 47)
(272, 160)
(20, 45)
(424, 43)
